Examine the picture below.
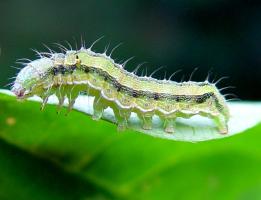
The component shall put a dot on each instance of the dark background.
(222, 35)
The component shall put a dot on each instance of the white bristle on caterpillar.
(83, 71)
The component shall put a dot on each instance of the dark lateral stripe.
(135, 93)
(157, 96)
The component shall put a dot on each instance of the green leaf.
(244, 115)
(23, 177)
(48, 156)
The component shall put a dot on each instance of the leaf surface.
(48, 156)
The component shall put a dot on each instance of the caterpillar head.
(29, 80)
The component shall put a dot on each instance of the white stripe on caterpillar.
(73, 72)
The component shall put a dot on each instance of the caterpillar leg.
(169, 125)
(122, 117)
(221, 124)
(45, 98)
(61, 93)
(61, 99)
(146, 119)
(98, 108)
(72, 96)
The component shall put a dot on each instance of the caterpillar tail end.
(223, 130)
(221, 124)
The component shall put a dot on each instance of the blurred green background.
(48, 156)
(223, 35)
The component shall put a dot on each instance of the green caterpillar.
(73, 72)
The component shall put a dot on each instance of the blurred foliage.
(48, 156)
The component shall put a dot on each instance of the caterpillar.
(69, 73)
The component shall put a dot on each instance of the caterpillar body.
(71, 73)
